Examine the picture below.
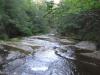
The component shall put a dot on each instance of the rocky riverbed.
(48, 55)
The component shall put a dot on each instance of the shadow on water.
(87, 66)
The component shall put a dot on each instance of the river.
(46, 61)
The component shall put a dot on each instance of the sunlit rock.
(86, 45)
(66, 41)
(22, 48)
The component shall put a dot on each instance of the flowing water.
(45, 61)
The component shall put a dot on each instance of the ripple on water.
(43, 68)
(44, 61)
(41, 61)
(41, 43)
(46, 56)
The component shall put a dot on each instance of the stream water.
(45, 61)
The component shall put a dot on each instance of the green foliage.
(78, 17)
(50, 5)
(3, 36)
(70, 17)
(19, 18)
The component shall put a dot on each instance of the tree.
(19, 18)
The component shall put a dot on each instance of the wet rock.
(3, 54)
(90, 58)
(14, 55)
(43, 37)
(68, 47)
(14, 65)
(28, 43)
(95, 55)
(22, 48)
(1, 47)
(86, 45)
(67, 52)
(1, 60)
(2, 73)
(66, 41)
(67, 55)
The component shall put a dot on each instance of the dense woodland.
(79, 19)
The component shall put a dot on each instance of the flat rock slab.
(86, 45)
(95, 55)
(21, 48)
(43, 37)
(90, 58)
(11, 66)
(40, 37)
(14, 55)
(66, 41)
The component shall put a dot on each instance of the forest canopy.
(78, 18)
(21, 17)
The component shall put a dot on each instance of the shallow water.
(46, 62)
